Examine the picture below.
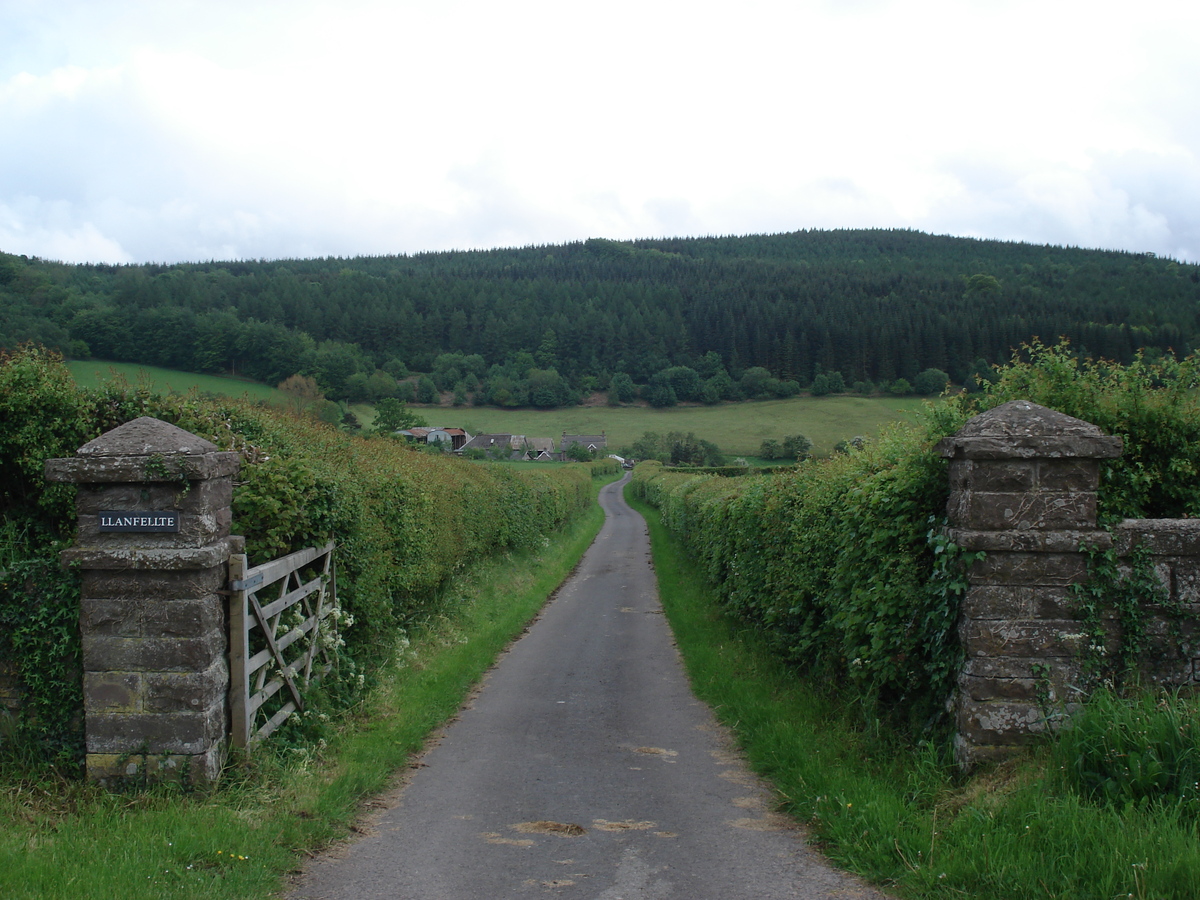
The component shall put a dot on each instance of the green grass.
(737, 428)
(67, 840)
(897, 813)
(91, 372)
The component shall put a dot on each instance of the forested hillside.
(540, 325)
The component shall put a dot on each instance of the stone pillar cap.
(122, 456)
(146, 436)
(1021, 429)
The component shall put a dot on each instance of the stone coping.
(134, 469)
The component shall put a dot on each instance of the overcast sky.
(165, 130)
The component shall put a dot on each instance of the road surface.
(583, 768)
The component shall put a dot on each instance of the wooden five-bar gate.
(272, 609)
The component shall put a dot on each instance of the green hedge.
(404, 521)
(837, 561)
(842, 562)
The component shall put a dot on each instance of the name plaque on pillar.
(139, 520)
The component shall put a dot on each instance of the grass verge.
(896, 813)
(70, 840)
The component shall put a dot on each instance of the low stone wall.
(1023, 482)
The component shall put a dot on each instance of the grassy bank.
(896, 813)
(63, 840)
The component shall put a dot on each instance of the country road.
(583, 768)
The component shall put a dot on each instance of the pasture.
(91, 372)
(737, 428)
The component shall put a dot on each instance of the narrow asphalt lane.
(583, 768)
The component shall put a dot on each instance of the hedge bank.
(842, 563)
(404, 521)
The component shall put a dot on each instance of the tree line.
(542, 326)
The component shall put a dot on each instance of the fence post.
(152, 548)
(1023, 482)
(239, 676)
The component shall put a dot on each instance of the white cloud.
(197, 130)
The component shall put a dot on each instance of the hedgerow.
(404, 521)
(835, 562)
(844, 562)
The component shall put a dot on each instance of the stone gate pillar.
(1023, 482)
(152, 548)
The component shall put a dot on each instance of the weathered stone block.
(102, 653)
(133, 469)
(958, 473)
(187, 691)
(1053, 602)
(213, 494)
(999, 688)
(186, 618)
(1063, 672)
(90, 499)
(1000, 723)
(1186, 583)
(985, 601)
(116, 618)
(1035, 569)
(1025, 639)
(148, 585)
(10, 692)
(1003, 476)
(968, 755)
(158, 733)
(1162, 537)
(1068, 474)
(1062, 510)
(1030, 541)
(117, 769)
(113, 691)
(148, 559)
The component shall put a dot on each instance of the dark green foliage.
(1152, 404)
(427, 391)
(930, 382)
(828, 383)
(840, 562)
(392, 415)
(659, 392)
(676, 449)
(40, 649)
(770, 449)
(843, 564)
(685, 382)
(796, 446)
(621, 389)
(405, 522)
(578, 453)
(1133, 752)
(873, 305)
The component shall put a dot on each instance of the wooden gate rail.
(252, 679)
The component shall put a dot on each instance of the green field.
(737, 428)
(90, 372)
